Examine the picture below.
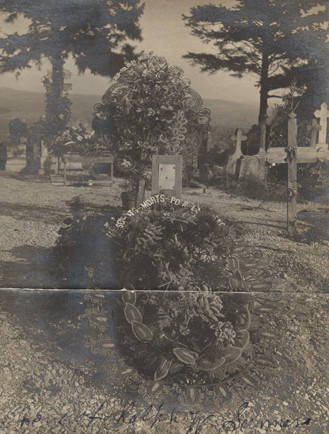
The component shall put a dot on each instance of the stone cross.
(232, 160)
(239, 138)
(323, 115)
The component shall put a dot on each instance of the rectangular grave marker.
(323, 115)
(82, 164)
(167, 176)
(167, 173)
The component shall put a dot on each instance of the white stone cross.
(323, 115)
(232, 160)
(238, 138)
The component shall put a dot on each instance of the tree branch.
(274, 96)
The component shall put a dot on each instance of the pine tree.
(95, 32)
(265, 37)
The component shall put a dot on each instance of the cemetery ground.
(49, 384)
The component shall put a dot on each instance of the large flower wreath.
(189, 332)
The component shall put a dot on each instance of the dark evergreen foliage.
(274, 39)
(95, 32)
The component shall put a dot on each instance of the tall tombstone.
(315, 128)
(322, 115)
(231, 166)
(167, 174)
(43, 157)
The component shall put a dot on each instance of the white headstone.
(323, 115)
(167, 174)
(232, 160)
(239, 138)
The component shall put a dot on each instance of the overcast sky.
(165, 34)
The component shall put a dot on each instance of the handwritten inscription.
(188, 422)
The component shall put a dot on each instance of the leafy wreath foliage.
(187, 332)
(172, 247)
(150, 108)
(73, 139)
(193, 337)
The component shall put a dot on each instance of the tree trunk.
(54, 107)
(32, 155)
(140, 193)
(202, 157)
(263, 89)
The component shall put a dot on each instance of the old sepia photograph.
(164, 216)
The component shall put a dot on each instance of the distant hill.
(232, 114)
(29, 106)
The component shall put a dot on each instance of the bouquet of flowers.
(75, 139)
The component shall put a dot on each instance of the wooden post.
(292, 175)
(140, 192)
(203, 121)
(111, 170)
(262, 150)
(65, 170)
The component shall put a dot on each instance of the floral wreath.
(194, 334)
(197, 335)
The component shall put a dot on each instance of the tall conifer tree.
(264, 37)
(97, 33)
